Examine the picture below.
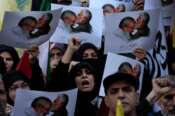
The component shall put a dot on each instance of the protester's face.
(108, 10)
(85, 80)
(56, 55)
(125, 93)
(167, 103)
(8, 60)
(90, 54)
(140, 22)
(16, 85)
(3, 97)
(70, 20)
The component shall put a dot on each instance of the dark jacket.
(59, 80)
(62, 80)
(84, 106)
(37, 79)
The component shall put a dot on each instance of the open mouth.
(85, 83)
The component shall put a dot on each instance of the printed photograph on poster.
(31, 28)
(80, 3)
(131, 30)
(112, 6)
(78, 20)
(124, 65)
(37, 103)
(167, 6)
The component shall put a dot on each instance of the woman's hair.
(81, 50)
(2, 66)
(12, 52)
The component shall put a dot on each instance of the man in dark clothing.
(120, 86)
(123, 87)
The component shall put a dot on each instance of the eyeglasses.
(22, 85)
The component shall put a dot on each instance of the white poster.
(33, 103)
(79, 22)
(126, 6)
(167, 9)
(25, 29)
(81, 3)
(43, 57)
(115, 63)
(131, 30)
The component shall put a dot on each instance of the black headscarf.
(2, 66)
(81, 50)
(12, 52)
(10, 77)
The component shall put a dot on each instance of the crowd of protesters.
(81, 66)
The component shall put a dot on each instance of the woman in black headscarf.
(10, 57)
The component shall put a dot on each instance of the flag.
(13, 5)
(24, 5)
(45, 5)
(6, 5)
(24, 65)
(119, 108)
